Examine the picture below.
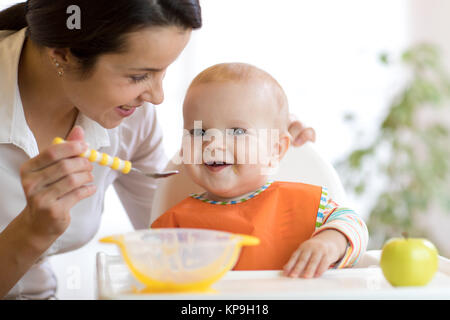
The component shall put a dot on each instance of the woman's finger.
(34, 182)
(72, 198)
(77, 133)
(67, 184)
(307, 134)
(53, 154)
(294, 128)
(63, 168)
(299, 133)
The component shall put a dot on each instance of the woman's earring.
(61, 70)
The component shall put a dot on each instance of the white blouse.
(138, 139)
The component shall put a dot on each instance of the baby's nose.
(214, 142)
(217, 154)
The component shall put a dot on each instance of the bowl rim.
(227, 236)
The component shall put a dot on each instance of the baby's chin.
(229, 190)
(225, 189)
(227, 184)
(224, 194)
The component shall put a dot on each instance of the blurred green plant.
(410, 153)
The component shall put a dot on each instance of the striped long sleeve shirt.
(345, 220)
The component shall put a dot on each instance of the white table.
(364, 281)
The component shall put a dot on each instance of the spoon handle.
(102, 159)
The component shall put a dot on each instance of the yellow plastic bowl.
(180, 259)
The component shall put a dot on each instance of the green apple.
(409, 261)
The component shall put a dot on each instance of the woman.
(89, 84)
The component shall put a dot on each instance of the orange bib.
(283, 216)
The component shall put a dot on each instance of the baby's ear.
(281, 147)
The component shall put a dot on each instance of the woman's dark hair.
(104, 23)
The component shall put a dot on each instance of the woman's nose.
(154, 94)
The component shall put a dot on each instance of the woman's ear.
(62, 55)
(63, 60)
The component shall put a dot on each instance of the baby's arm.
(339, 242)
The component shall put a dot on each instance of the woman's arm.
(19, 250)
(53, 182)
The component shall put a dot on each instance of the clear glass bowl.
(179, 259)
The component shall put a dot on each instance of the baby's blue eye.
(237, 131)
(197, 132)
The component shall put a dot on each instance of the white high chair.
(301, 164)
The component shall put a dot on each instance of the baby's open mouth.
(217, 163)
(216, 166)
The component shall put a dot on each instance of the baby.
(235, 121)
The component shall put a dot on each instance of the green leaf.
(384, 58)
(416, 158)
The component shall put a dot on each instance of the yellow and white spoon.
(116, 163)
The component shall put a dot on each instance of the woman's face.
(121, 82)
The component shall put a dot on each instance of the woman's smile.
(125, 110)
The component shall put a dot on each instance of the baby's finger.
(311, 267)
(323, 266)
(288, 267)
(300, 264)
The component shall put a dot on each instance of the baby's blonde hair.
(236, 71)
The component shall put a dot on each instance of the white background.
(323, 52)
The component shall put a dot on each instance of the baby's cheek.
(247, 172)
(192, 150)
(264, 153)
(246, 150)
(238, 147)
(193, 172)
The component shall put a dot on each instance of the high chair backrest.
(300, 164)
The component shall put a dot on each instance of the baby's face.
(228, 127)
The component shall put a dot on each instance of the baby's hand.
(315, 255)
